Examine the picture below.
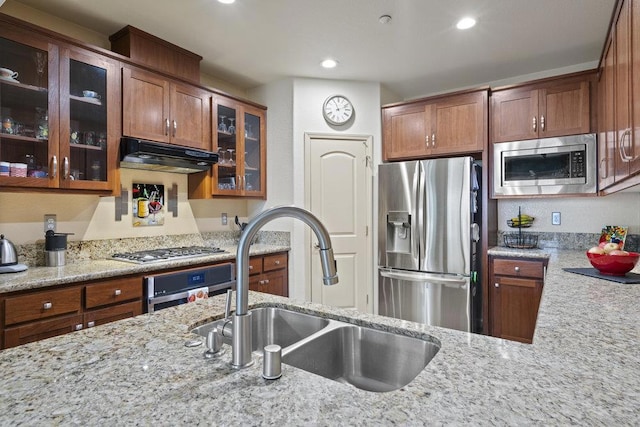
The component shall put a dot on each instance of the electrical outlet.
(49, 222)
(555, 218)
(224, 218)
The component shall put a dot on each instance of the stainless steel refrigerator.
(429, 238)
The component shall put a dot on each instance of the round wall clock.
(337, 110)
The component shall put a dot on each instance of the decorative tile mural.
(148, 204)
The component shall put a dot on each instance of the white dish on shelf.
(9, 79)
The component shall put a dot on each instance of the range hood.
(156, 156)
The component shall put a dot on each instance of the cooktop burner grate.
(158, 255)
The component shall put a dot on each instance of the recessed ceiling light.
(466, 23)
(329, 63)
(227, 1)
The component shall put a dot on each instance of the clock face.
(337, 110)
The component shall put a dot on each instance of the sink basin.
(365, 358)
(272, 325)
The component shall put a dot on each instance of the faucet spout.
(241, 354)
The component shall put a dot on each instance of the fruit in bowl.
(612, 260)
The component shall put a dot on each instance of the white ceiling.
(419, 52)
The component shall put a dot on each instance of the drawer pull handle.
(277, 262)
(266, 282)
(251, 267)
(91, 324)
(47, 305)
(517, 269)
(497, 285)
(78, 326)
(117, 292)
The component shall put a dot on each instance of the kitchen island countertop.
(581, 369)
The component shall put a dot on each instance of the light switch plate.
(555, 218)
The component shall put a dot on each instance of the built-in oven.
(180, 287)
(547, 166)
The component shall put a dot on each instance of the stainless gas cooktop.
(166, 254)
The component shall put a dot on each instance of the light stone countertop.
(581, 369)
(42, 277)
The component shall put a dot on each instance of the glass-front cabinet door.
(88, 133)
(239, 141)
(28, 110)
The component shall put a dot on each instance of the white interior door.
(338, 184)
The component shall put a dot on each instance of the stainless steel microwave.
(563, 165)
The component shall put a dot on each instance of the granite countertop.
(42, 277)
(581, 369)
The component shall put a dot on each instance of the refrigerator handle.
(420, 276)
(419, 231)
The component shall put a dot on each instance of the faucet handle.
(227, 304)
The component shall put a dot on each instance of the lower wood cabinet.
(514, 296)
(40, 314)
(270, 274)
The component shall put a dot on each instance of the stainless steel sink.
(365, 358)
(271, 325)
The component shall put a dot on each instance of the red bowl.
(614, 265)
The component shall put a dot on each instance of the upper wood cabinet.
(159, 109)
(434, 127)
(619, 93)
(554, 108)
(60, 121)
(240, 141)
(89, 120)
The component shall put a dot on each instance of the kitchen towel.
(629, 278)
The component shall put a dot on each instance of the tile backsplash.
(573, 241)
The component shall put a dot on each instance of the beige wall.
(91, 217)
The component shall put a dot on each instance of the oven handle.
(153, 301)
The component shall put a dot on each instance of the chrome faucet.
(241, 325)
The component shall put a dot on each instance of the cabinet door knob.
(117, 292)
(91, 324)
(47, 305)
(497, 285)
(251, 267)
(517, 269)
(266, 282)
(277, 262)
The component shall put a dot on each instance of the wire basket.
(521, 223)
(521, 241)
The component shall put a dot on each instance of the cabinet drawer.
(112, 314)
(113, 291)
(41, 305)
(255, 265)
(40, 330)
(518, 267)
(275, 262)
